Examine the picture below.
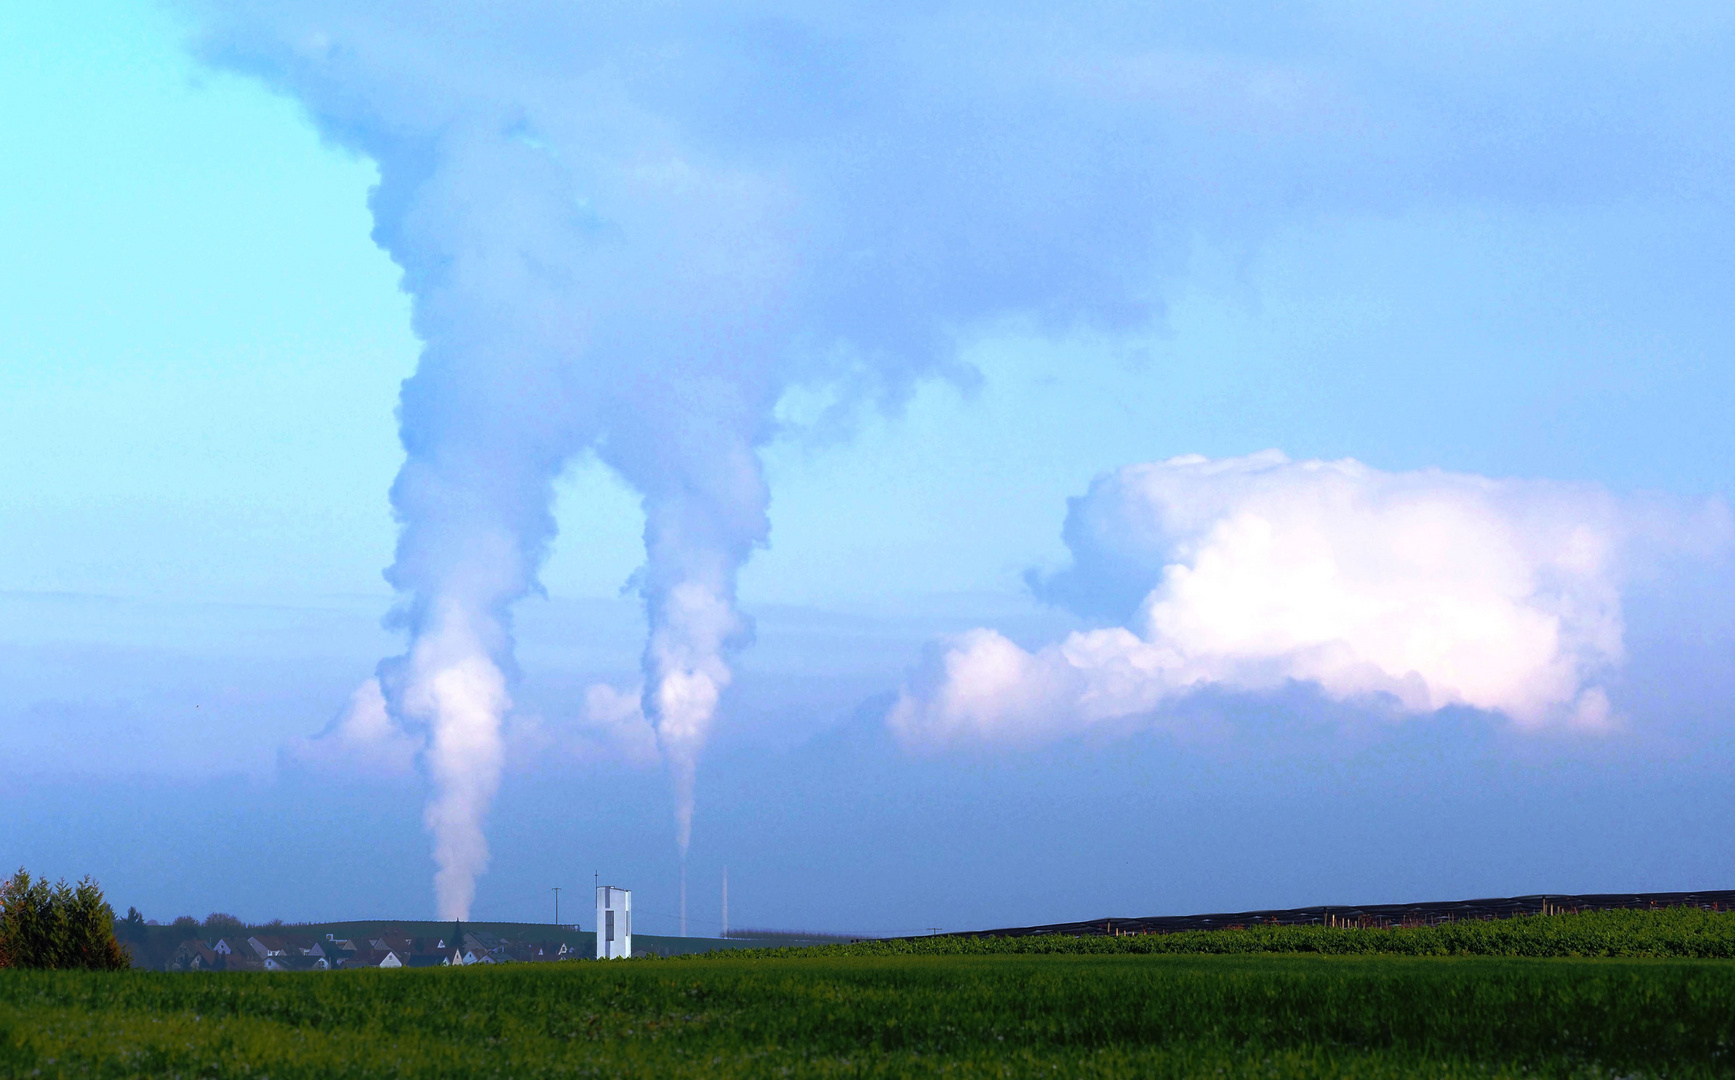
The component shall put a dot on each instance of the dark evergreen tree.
(87, 931)
(131, 928)
(27, 918)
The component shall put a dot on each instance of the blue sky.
(1513, 266)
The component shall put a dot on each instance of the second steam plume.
(629, 230)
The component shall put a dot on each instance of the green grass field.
(1125, 1015)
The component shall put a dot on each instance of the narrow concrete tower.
(614, 922)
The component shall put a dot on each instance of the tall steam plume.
(628, 230)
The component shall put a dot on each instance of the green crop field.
(1667, 932)
(1605, 994)
(1126, 1015)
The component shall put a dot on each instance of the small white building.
(614, 922)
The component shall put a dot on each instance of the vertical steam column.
(614, 922)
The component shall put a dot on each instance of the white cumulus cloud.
(1425, 589)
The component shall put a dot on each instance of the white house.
(296, 963)
(614, 922)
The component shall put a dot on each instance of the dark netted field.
(1125, 1015)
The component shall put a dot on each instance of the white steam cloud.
(454, 690)
(1429, 589)
(629, 229)
(362, 740)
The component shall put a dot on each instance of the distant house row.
(269, 952)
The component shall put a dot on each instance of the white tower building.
(614, 922)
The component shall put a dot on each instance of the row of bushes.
(1672, 932)
(57, 926)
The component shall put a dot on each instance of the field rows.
(988, 1015)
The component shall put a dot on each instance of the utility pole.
(725, 901)
(557, 905)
